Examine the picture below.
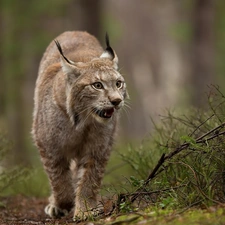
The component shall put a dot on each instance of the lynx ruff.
(78, 95)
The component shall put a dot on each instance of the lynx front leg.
(59, 174)
(87, 184)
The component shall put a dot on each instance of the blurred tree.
(1, 71)
(12, 70)
(203, 50)
(219, 41)
(151, 57)
(154, 41)
(92, 19)
(26, 30)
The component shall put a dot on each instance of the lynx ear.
(110, 53)
(69, 67)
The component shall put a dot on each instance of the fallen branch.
(151, 175)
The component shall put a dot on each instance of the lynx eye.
(119, 84)
(97, 85)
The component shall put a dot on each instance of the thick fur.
(74, 139)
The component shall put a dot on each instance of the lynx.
(78, 95)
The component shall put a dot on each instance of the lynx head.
(95, 89)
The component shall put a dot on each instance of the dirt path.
(22, 210)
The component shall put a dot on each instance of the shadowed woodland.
(172, 55)
(169, 51)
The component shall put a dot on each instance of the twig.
(125, 221)
(114, 168)
(211, 131)
(198, 185)
(198, 127)
(190, 206)
(151, 175)
(197, 141)
(156, 191)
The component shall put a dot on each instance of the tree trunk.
(203, 54)
(12, 71)
(151, 59)
(92, 12)
(85, 15)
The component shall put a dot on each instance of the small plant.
(136, 182)
(10, 177)
(125, 207)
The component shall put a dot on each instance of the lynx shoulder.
(78, 95)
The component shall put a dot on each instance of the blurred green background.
(170, 52)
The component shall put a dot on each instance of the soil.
(20, 210)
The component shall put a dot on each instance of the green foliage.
(8, 176)
(19, 179)
(125, 207)
(34, 183)
(193, 170)
(136, 182)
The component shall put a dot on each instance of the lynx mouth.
(105, 113)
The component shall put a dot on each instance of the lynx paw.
(85, 215)
(55, 212)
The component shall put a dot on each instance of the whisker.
(87, 116)
(127, 105)
(128, 101)
(83, 96)
(94, 122)
(85, 109)
(126, 110)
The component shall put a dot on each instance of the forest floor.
(20, 210)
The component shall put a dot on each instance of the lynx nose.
(116, 101)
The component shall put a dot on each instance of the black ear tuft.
(61, 52)
(108, 47)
